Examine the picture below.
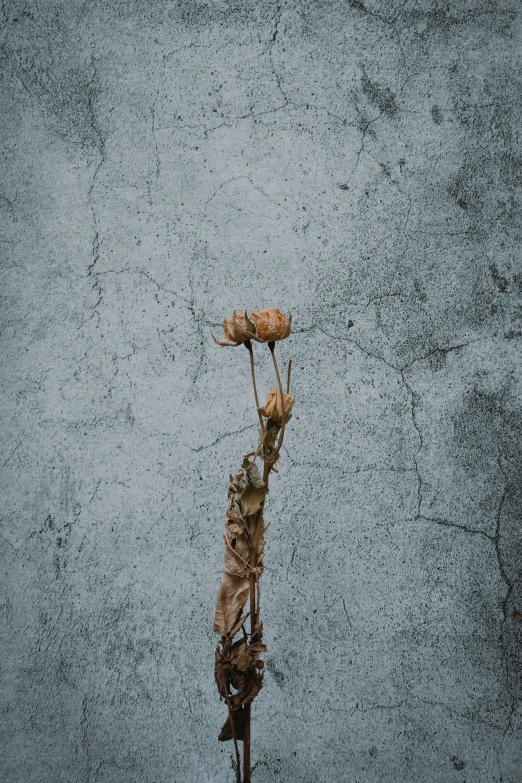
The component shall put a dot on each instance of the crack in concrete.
(495, 539)
(447, 523)
(510, 585)
(346, 613)
(414, 400)
(237, 179)
(473, 717)
(364, 130)
(101, 151)
(222, 437)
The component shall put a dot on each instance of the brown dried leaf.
(220, 672)
(235, 528)
(243, 661)
(236, 556)
(249, 688)
(237, 486)
(244, 655)
(251, 499)
(232, 596)
(236, 648)
(235, 521)
(272, 430)
(261, 543)
(258, 647)
(238, 625)
(239, 718)
(253, 473)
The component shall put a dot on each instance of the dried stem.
(254, 581)
(246, 745)
(248, 346)
(231, 718)
(282, 433)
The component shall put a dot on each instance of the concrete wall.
(357, 163)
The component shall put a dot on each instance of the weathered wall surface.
(358, 164)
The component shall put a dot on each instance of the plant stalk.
(254, 577)
(231, 717)
(282, 434)
(248, 346)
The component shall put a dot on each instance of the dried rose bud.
(272, 324)
(238, 328)
(273, 406)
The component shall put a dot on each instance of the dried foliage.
(238, 669)
(246, 495)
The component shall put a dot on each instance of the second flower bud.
(273, 406)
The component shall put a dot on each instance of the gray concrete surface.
(165, 163)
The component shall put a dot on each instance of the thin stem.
(246, 745)
(258, 594)
(248, 346)
(288, 378)
(231, 719)
(282, 435)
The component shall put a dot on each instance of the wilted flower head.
(238, 328)
(272, 324)
(273, 405)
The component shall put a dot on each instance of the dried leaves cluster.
(238, 669)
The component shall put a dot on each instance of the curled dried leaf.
(239, 720)
(251, 499)
(236, 556)
(251, 684)
(235, 528)
(237, 484)
(235, 521)
(238, 666)
(232, 596)
(242, 658)
(259, 647)
(271, 433)
(253, 473)
(235, 628)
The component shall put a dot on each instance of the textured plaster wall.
(357, 163)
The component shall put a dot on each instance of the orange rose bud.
(272, 324)
(273, 405)
(238, 328)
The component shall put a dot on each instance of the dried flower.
(273, 406)
(238, 328)
(272, 324)
(238, 670)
